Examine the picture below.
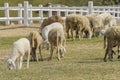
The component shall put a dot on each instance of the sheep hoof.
(118, 56)
(105, 60)
(58, 59)
(111, 60)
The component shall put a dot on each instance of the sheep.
(90, 18)
(100, 22)
(108, 22)
(50, 20)
(19, 49)
(112, 36)
(79, 23)
(47, 28)
(36, 43)
(57, 39)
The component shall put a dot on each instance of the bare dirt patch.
(17, 30)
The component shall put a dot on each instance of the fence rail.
(25, 12)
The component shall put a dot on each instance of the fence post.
(6, 5)
(66, 12)
(58, 12)
(50, 11)
(40, 14)
(30, 14)
(90, 7)
(26, 5)
(20, 13)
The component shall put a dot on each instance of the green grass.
(83, 61)
(6, 42)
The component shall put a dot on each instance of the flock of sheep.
(54, 31)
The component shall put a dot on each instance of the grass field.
(83, 60)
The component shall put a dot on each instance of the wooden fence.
(25, 12)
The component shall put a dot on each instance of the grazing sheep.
(112, 35)
(36, 42)
(51, 20)
(90, 18)
(47, 29)
(78, 23)
(100, 22)
(108, 22)
(57, 39)
(19, 49)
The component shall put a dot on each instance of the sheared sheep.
(36, 43)
(19, 49)
(112, 35)
(78, 23)
(57, 39)
(47, 29)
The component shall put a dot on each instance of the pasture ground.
(83, 60)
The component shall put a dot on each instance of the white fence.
(25, 12)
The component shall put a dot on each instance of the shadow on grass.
(95, 60)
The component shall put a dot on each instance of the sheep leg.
(18, 62)
(105, 56)
(40, 52)
(14, 65)
(58, 54)
(109, 50)
(33, 54)
(118, 52)
(21, 59)
(67, 31)
(28, 59)
(90, 34)
(51, 52)
(79, 35)
(72, 33)
(36, 55)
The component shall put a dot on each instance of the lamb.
(57, 39)
(36, 43)
(79, 23)
(112, 35)
(19, 49)
(47, 29)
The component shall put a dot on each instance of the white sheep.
(19, 49)
(47, 29)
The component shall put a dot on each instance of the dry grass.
(17, 30)
(83, 60)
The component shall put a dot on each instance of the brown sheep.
(79, 23)
(112, 35)
(50, 20)
(36, 42)
(57, 39)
